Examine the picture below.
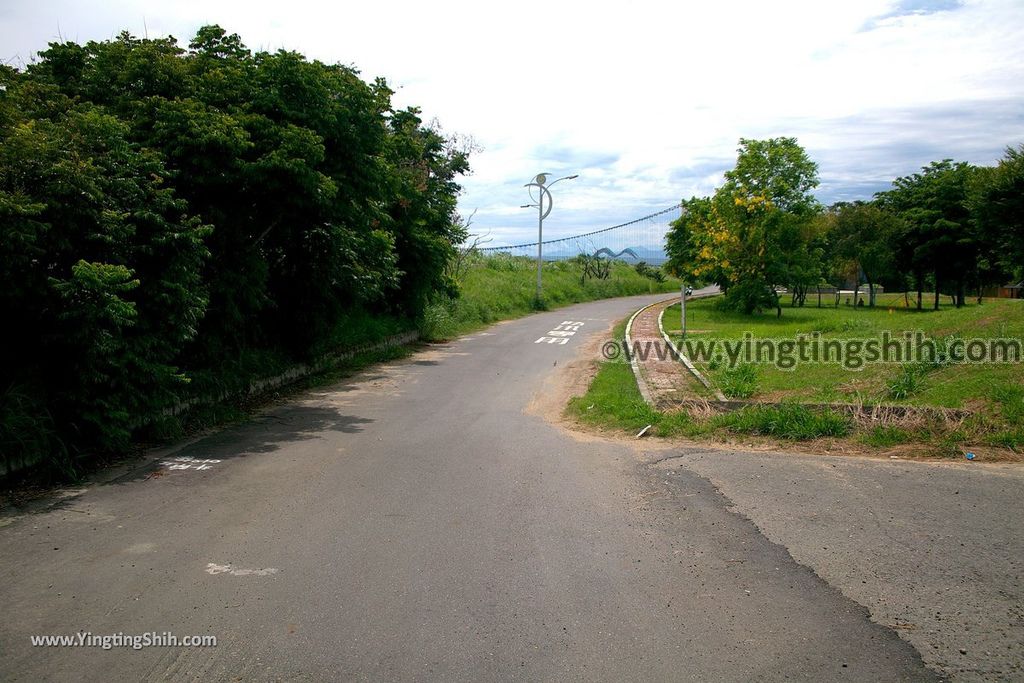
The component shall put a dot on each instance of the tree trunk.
(819, 296)
(871, 294)
(961, 293)
(936, 291)
(920, 288)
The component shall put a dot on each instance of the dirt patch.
(568, 381)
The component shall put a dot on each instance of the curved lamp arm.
(544, 191)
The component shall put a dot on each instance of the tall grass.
(500, 287)
(787, 421)
(740, 381)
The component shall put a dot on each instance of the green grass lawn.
(964, 386)
(613, 401)
(502, 287)
(994, 394)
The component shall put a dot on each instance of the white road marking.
(215, 569)
(186, 462)
(561, 333)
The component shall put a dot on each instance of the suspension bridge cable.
(586, 234)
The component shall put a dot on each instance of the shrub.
(906, 383)
(649, 272)
(28, 435)
(437, 322)
(740, 381)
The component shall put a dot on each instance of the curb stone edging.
(686, 361)
(641, 381)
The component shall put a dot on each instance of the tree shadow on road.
(262, 434)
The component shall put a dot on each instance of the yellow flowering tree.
(751, 237)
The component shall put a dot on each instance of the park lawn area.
(785, 405)
(961, 386)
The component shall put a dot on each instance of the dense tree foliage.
(951, 227)
(168, 209)
(756, 234)
(862, 236)
(997, 204)
(937, 237)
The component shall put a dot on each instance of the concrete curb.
(686, 361)
(641, 381)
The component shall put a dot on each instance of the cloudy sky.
(645, 100)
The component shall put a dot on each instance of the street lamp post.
(541, 183)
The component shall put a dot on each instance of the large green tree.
(998, 210)
(170, 211)
(756, 234)
(101, 267)
(863, 238)
(937, 235)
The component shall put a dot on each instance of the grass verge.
(613, 402)
(991, 391)
(502, 287)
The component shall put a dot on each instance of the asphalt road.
(417, 523)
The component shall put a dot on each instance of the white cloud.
(643, 100)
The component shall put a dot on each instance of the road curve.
(414, 523)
